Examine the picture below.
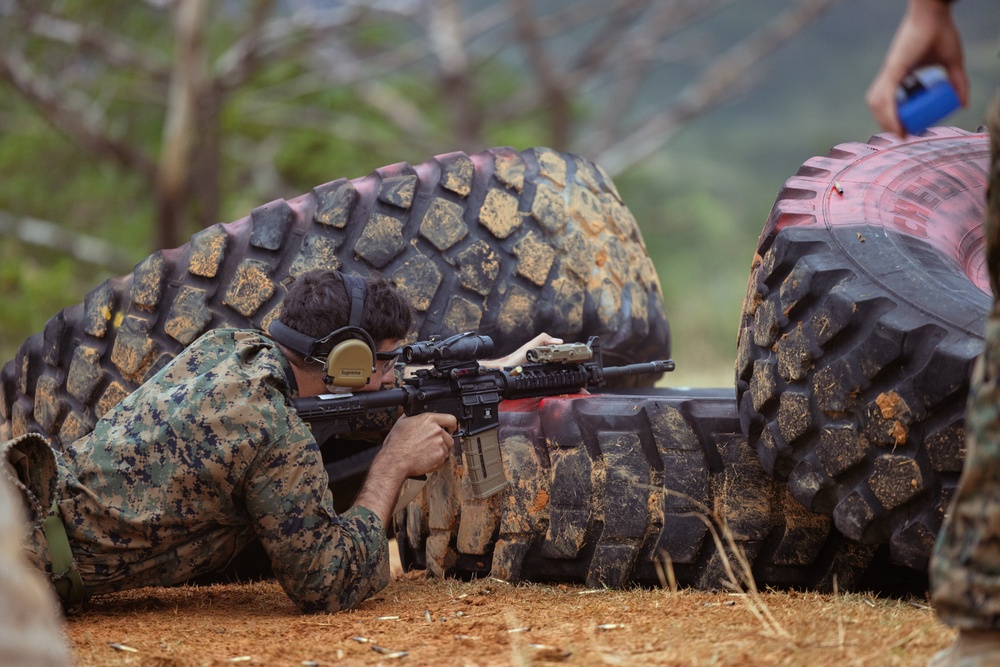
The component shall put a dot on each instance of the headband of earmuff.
(351, 362)
(355, 287)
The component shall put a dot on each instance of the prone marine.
(209, 454)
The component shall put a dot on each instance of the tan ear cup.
(350, 364)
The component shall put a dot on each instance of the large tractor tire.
(864, 313)
(507, 243)
(647, 489)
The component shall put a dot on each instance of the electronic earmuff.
(351, 362)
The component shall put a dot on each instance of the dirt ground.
(423, 621)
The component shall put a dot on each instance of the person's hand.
(416, 445)
(419, 444)
(519, 356)
(927, 35)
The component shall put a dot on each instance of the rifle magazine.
(482, 459)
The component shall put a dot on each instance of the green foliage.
(43, 178)
(700, 218)
(375, 36)
(311, 154)
(47, 177)
(35, 286)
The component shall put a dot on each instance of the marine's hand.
(519, 356)
(415, 446)
(927, 35)
(420, 444)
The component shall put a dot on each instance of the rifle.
(455, 383)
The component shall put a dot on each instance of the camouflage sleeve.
(324, 562)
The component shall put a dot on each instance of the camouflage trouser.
(30, 627)
(965, 569)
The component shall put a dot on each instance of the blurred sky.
(818, 80)
(808, 98)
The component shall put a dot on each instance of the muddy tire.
(607, 489)
(503, 242)
(864, 312)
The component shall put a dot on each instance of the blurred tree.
(174, 91)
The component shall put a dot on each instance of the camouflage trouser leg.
(965, 569)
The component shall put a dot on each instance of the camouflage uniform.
(30, 632)
(965, 569)
(183, 473)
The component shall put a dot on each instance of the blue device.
(924, 98)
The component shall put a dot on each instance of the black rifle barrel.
(646, 368)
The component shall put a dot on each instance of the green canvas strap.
(66, 577)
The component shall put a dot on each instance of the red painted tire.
(864, 312)
(605, 488)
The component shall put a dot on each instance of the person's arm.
(415, 446)
(927, 35)
(327, 561)
(323, 560)
(518, 356)
(515, 358)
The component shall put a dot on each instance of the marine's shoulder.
(231, 336)
(227, 352)
(227, 340)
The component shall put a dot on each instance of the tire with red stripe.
(618, 490)
(864, 312)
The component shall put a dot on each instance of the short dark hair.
(318, 303)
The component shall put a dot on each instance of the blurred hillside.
(700, 200)
(704, 198)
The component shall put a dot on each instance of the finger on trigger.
(448, 422)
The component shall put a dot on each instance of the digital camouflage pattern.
(30, 628)
(184, 472)
(965, 569)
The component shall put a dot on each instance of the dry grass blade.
(519, 653)
(841, 633)
(878, 656)
(754, 602)
(744, 582)
(665, 571)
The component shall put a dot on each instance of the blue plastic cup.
(925, 98)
